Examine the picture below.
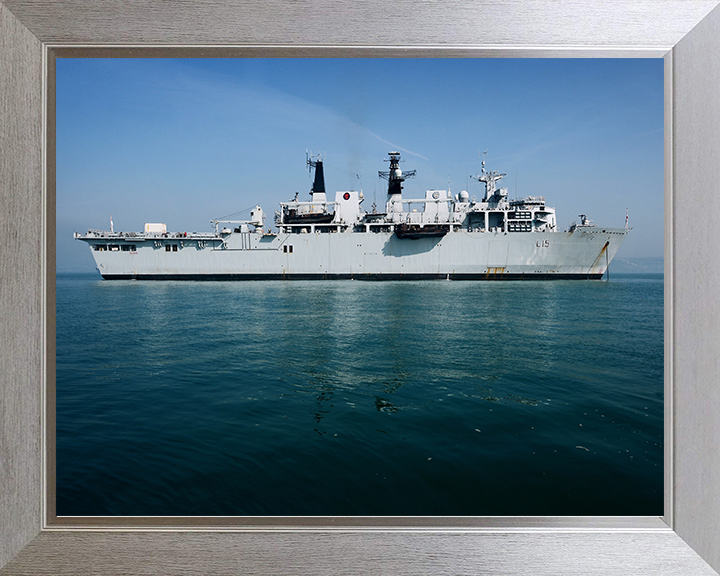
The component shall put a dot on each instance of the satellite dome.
(464, 196)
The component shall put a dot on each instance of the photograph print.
(359, 287)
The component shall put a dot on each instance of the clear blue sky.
(182, 141)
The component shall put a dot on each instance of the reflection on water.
(384, 405)
(315, 397)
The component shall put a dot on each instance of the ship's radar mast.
(395, 176)
(489, 178)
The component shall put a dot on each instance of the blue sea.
(360, 398)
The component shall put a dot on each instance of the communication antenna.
(312, 160)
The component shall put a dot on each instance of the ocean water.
(359, 398)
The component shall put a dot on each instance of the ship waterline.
(450, 238)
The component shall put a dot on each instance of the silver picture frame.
(686, 540)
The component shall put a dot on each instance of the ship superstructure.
(435, 237)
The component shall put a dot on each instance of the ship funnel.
(319, 181)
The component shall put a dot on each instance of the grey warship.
(439, 236)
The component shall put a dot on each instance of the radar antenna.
(395, 176)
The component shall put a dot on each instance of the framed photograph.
(339, 540)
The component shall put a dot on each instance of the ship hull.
(583, 253)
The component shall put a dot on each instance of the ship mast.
(489, 178)
(395, 177)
